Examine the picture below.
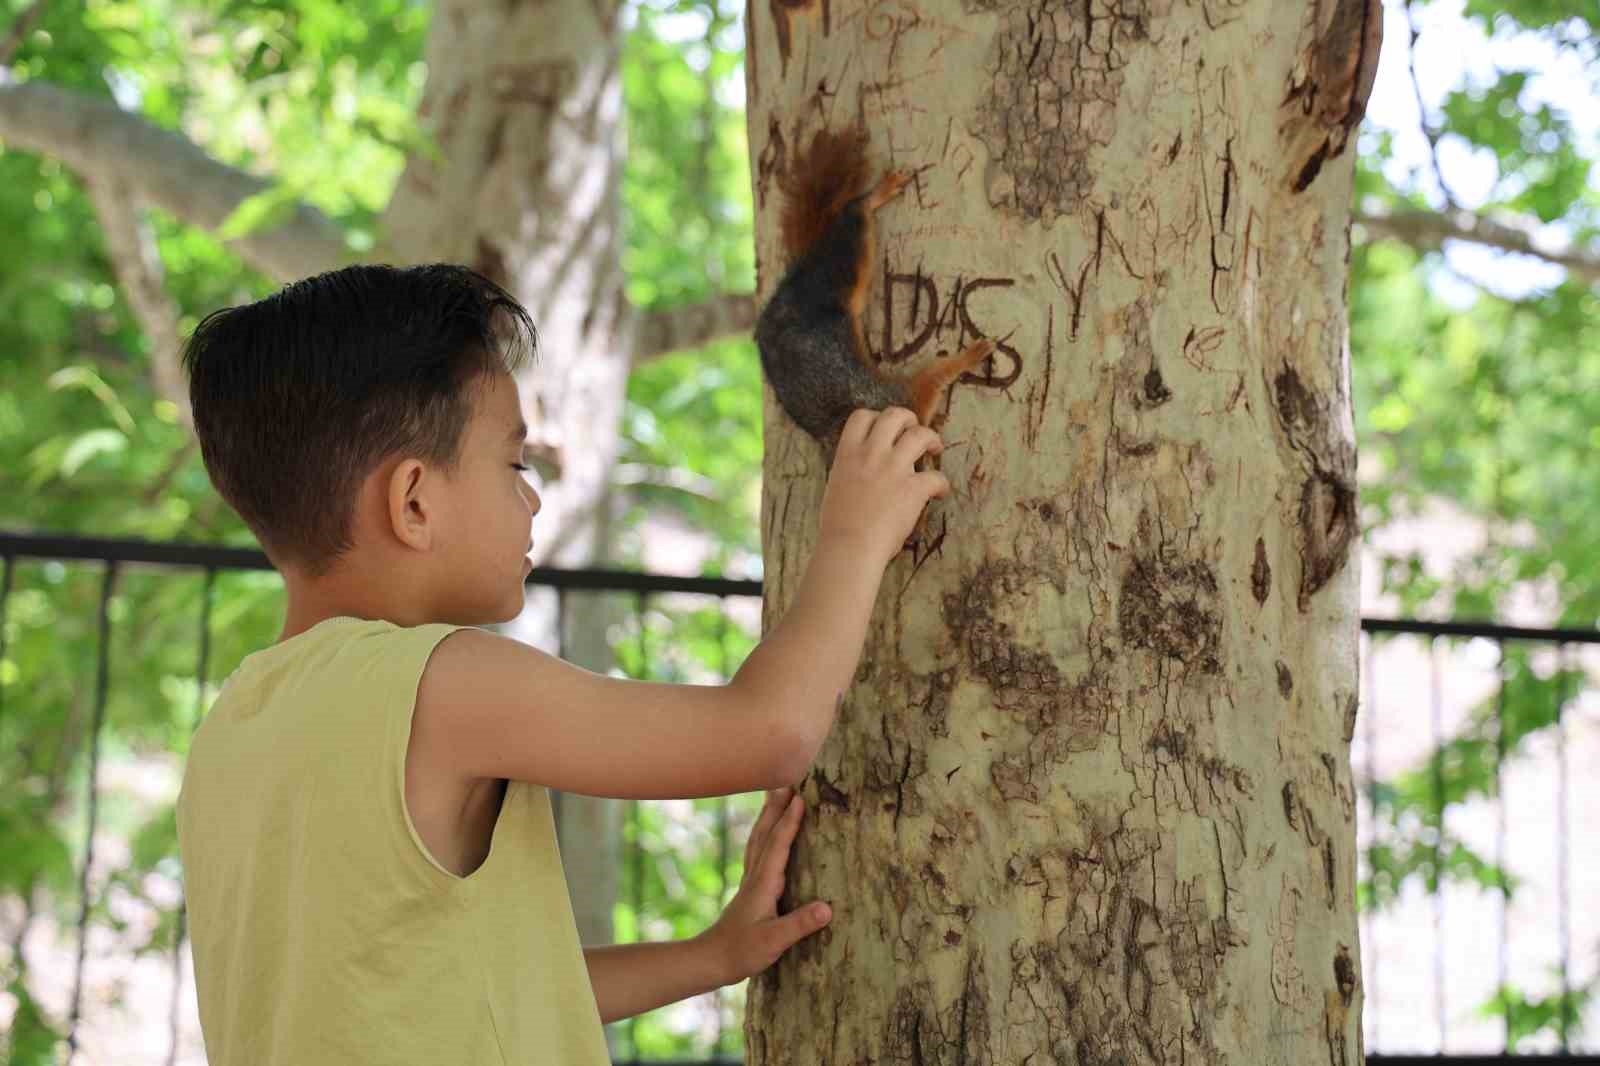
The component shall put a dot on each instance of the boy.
(366, 836)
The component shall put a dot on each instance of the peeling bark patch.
(1285, 680)
(1260, 575)
(1171, 609)
(1327, 527)
(1291, 806)
(924, 1032)
(1329, 874)
(1110, 980)
(1055, 75)
(1351, 706)
(936, 706)
(1063, 715)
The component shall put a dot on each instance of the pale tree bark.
(530, 125)
(1089, 799)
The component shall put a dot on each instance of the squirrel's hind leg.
(927, 386)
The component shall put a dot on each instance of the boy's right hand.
(875, 494)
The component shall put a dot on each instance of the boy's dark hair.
(299, 396)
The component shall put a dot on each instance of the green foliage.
(1529, 1016)
(686, 192)
(1487, 399)
(685, 857)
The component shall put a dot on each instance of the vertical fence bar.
(1500, 833)
(201, 670)
(1563, 841)
(1436, 718)
(1369, 730)
(101, 683)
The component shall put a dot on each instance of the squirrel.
(809, 334)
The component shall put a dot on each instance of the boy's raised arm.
(491, 707)
(801, 670)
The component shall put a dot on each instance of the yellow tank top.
(323, 930)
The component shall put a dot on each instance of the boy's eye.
(519, 466)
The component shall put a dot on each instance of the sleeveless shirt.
(323, 931)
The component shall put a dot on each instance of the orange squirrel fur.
(809, 334)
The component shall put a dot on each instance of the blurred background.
(1475, 339)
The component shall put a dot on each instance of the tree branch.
(19, 31)
(96, 137)
(136, 262)
(1430, 229)
(690, 326)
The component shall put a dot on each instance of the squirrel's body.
(809, 334)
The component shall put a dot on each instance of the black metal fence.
(1409, 837)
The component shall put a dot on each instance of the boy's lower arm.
(631, 979)
(805, 664)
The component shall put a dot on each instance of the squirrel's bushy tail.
(823, 178)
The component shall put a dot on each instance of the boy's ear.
(410, 510)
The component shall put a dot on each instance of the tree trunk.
(529, 123)
(526, 190)
(1089, 799)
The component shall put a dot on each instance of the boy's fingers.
(857, 425)
(761, 836)
(799, 924)
(769, 814)
(889, 425)
(777, 857)
(936, 484)
(917, 442)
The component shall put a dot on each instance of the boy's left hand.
(750, 934)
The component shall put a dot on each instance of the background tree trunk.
(529, 126)
(1089, 799)
(526, 190)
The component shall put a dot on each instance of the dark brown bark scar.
(1327, 526)
(1344, 976)
(1291, 806)
(1156, 392)
(1296, 406)
(1260, 574)
(827, 792)
(1285, 680)
(782, 11)
(1340, 65)
(1327, 520)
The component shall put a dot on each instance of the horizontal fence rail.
(1416, 1008)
